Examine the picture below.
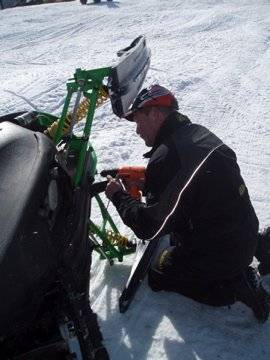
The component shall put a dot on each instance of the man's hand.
(113, 187)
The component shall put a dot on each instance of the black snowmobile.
(46, 186)
(45, 253)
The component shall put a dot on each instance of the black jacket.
(194, 189)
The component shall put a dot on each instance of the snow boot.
(263, 252)
(249, 290)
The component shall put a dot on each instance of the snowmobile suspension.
(81, 113)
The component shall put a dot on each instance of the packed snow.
(214, 55)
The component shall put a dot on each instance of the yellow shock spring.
(81, 113)
(118, 239)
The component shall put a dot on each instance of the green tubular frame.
(109, 251)
(89, 83)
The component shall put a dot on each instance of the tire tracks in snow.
(43, 37)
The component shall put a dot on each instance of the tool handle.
(111, 172)
(98, 188)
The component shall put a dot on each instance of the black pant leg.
(170, 273)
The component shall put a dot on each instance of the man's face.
(147, 125)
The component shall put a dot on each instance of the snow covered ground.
(214, 55)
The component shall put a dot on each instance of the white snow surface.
(214, 55)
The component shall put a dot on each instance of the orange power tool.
(132, 176)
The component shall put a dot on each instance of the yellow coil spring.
(80, 114)
(118, 239)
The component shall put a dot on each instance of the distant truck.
(4, 4)
(83, 2)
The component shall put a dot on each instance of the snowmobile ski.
(127, 77)
(144, 254)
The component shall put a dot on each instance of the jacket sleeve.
(145, 219)
(161, 169)
(154, 220)
(134, 214)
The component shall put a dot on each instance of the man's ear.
(156, 113)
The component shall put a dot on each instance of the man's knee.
(161, 273)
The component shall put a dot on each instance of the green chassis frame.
(87, 83)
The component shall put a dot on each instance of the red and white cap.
(156, 95)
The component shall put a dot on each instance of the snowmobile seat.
(26, 257)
